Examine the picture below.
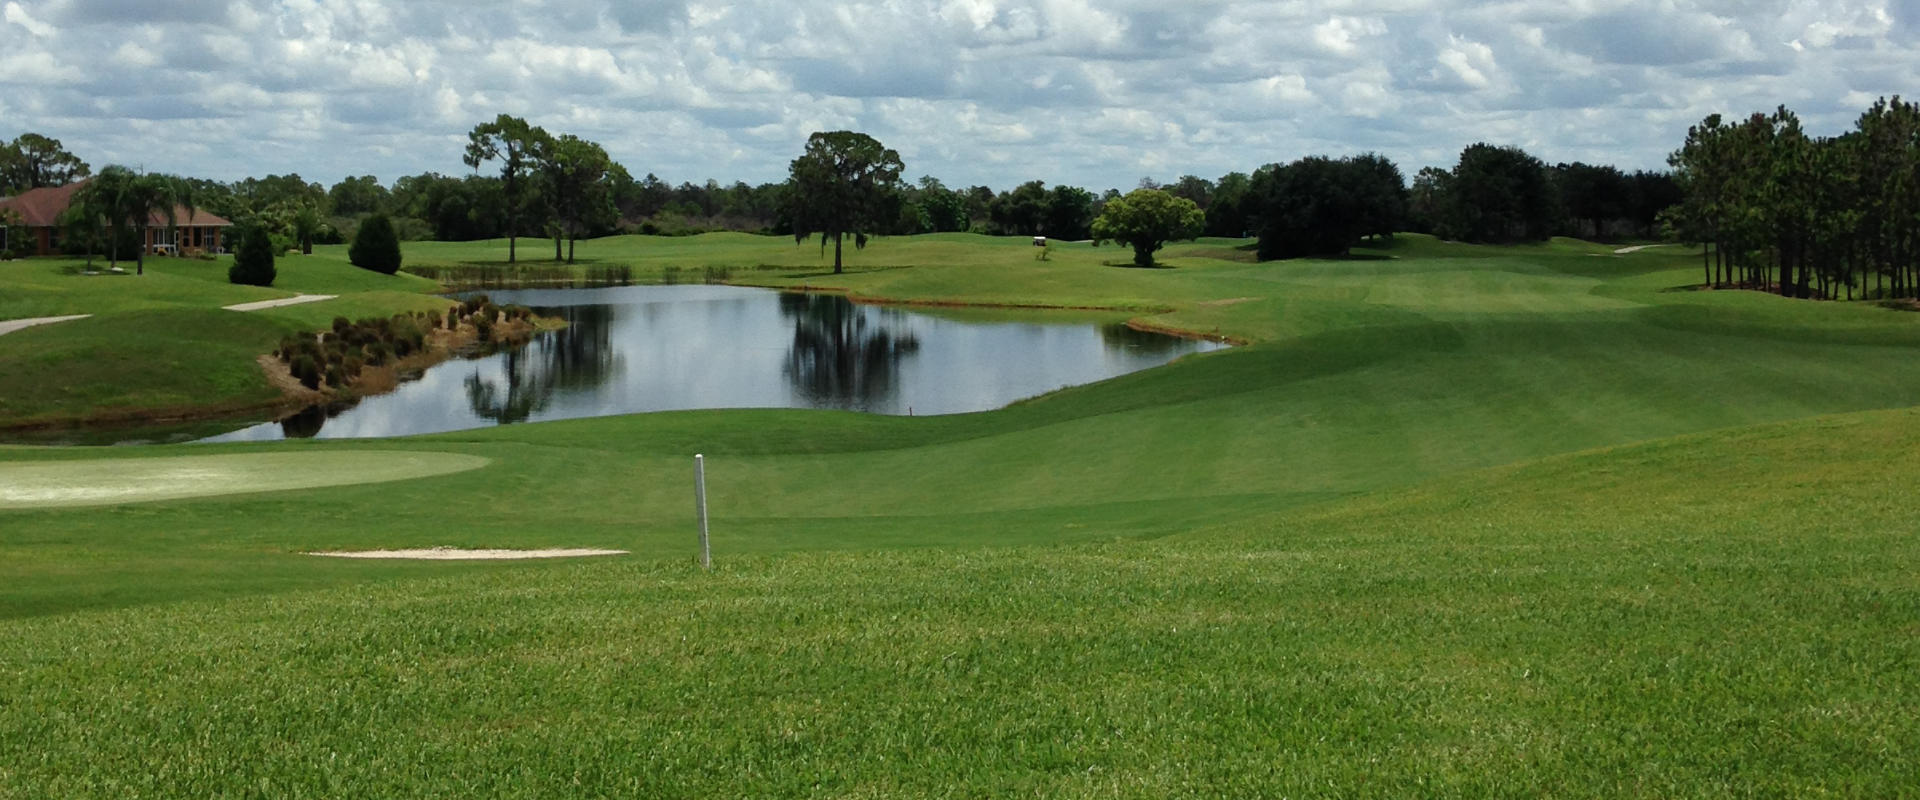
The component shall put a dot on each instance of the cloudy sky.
(1097, 93)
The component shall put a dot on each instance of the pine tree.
(375, 246)
(253, 262)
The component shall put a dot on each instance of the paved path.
(285, 301)
(1637, 248)
(10, 325)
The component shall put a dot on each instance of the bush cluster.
(337, 356)
(480, 312)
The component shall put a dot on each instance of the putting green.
(135, 480)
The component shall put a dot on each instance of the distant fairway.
(1457, 521)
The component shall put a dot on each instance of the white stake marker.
(700, 508)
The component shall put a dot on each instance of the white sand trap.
(284, 301)
(455, 554)
(105, 481)
(1637, 248)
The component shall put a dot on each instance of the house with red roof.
(39, 211)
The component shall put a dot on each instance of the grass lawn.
(160, 344)
(1459, 521)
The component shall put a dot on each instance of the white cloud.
(1087, 92)
(17, 15)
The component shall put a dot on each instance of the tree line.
(559, 186)
(1806, 216)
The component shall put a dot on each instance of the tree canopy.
(32, 161)
(512, 142)
(842, 186)
(1146, 219)
(1493, 195)
(1319, 206)
(1807, 216)
(576, 179)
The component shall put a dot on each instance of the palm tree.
(102, 200)
(83, 218)
(305, 222)
(149, 196)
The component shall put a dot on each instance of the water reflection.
(304, 425)
(1121, 335)
(580, 357)
(844, 356)
(660, 348)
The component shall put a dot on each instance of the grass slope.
(1374, 553)
(160, 344)
(1687, 618)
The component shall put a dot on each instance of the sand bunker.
(454, 554)
(105, 481)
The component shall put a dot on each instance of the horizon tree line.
(567, 188)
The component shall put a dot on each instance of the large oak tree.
(841, 186)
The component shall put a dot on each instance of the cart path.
(285, 301)
(10, 325)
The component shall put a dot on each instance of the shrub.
(375, 246)
(483, 328)
(306, 371)
(340, 326)
(253, 262)
(336, 376)
(379, 353)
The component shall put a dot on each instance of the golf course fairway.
(1454, 521)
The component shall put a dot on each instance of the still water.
(661, 348)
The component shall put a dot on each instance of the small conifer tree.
(376, 246)
(253, 262)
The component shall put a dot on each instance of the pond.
(662, 348)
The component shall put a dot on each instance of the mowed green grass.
(1688, 618)
(160, 344)
(1374, 553)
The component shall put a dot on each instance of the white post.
(700, 507)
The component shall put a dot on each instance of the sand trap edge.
(453, 554)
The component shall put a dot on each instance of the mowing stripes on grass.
(134, 480)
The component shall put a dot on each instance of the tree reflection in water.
(1119, 336)
(578, 358)
(304, 425)
(840, 356)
